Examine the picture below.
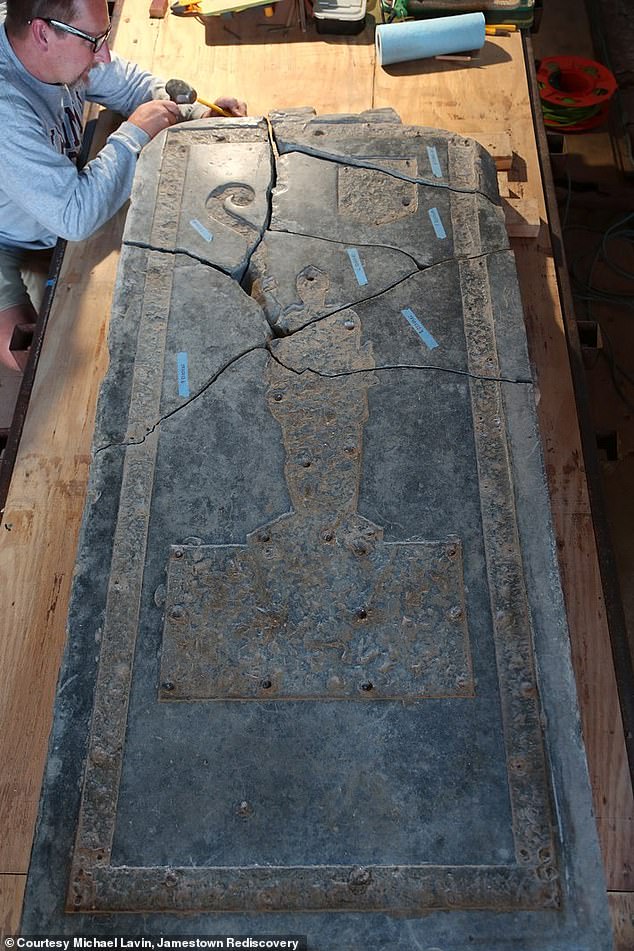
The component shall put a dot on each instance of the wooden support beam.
(499, 146)
(522, 217)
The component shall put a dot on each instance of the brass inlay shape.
(317, 604)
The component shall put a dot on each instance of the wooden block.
(498, 144)
(522, 217)
(503, 184)
(158, 9)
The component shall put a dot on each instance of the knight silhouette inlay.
(317, 603)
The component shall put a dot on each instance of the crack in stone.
(357, 244)
(275, 331)
(385, 290)
(146, 246)
(360, 163)
(266, 229)
(177, 409)
(400, 366)
(323, 374)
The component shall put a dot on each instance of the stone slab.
(317, 678)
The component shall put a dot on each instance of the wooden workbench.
(274, 69)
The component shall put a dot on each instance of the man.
(54, 56)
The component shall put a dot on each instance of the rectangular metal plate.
(315, 620)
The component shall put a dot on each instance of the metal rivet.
(178, 611)
(168, 685)
(278, 397)
(367, 685)
(455, 613)
(266, 684)
(178, 553)
(361, 613)
(349, 324)
(327, 536)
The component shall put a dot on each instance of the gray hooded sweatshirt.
(43, 195)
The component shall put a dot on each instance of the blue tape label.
(200, 228)
(436, 221)
(183, 374)
(434, 161)
(357, 266)
(422, 331)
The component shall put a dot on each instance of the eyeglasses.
(96, 41)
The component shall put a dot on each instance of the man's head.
(19, 12)
(59, 41)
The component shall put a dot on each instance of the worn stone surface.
(317, 660)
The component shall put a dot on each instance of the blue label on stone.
(422, 331)
(436, 220)
(434, 161)
(183, 374)
(200, 228)
(355, 261)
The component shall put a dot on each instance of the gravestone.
(317, 678)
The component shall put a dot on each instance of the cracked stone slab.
(299, 279)
(440, 157)
(211, 185)
(430, 195)
(317, 662)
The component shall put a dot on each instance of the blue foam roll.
(416, 39)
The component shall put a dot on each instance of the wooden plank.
(11, 895)
(581, 580)
(40, 527)
(270, 70)
(600, 712)
(622, 911)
